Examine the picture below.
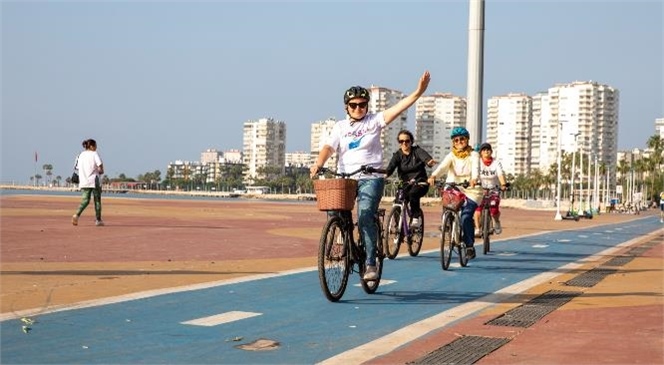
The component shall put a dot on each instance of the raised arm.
(393, 112)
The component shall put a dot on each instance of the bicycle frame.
(490, 199)
(398, 226)
(339, 251)
(451, 233)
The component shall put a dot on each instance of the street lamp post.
(573, 172)
(558, 216)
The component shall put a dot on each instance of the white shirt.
(489, 174)
(88, 168)
(358, 143)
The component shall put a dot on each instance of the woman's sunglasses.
(362, 105)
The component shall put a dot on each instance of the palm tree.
(656, 143)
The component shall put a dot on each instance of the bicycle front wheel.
(334, 259)
(416, 238)
(446, 245)
(393, 233)
(486, 231)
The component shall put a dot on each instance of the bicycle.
(398, 225)
(490, 200)
(340, 250)
(451, 234)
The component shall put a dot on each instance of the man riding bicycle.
(491, 176)
(356, 140)
(411, 161)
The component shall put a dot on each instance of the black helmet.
(485, 146)
(356, 92)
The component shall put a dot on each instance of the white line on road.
(221, 318)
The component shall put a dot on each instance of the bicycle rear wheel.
(416, 238)
(370, 286)
(486, 231)
(446, 245)
(393, 233)
(333, 259)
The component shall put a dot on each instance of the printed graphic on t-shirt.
(355, 144)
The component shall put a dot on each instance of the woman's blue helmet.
(459, 132)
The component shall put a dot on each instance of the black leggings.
(414, 193)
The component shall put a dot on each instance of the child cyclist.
(491, 176)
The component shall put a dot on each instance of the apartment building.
(298, 159)
(588, 113)
(435, 116)
(509, 131)
(659, 127)
(381, 99)
(319, 133)
(263, 147)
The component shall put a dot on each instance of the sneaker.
(416, 223)
(74, 220)
(497, 229)
(370, 274)
(99, 223)
(470, 252)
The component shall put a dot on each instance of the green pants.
(85, 196)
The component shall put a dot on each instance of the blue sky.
(158, 81)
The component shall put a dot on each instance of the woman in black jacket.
(410, 162)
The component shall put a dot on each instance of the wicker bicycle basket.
(452, 199)
(335, 194)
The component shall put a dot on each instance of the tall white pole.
(580, 181)
(596, 184)
(558, 217)
(588, 204)
(475, 71)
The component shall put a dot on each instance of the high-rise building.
(509, 128)
(319, 133)
(435, 116)
(264, 148)
(588, 113)
(659, 127)
(382, 98)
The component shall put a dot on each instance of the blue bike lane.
(287, 318)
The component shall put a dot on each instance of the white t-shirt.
(88, 168)
(358, 143)
(489, 174)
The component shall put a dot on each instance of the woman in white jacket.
(462, 164)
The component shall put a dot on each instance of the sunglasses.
(458, 140)
(402, 141)
(362, 105)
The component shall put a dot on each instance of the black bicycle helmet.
(356, 92)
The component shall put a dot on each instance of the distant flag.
(35, 156)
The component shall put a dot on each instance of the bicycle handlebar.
(362, 169)
(453, 185)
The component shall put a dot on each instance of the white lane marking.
(221, 318)
(386, 344)
(382, 282)
(540, 246)
(563, 240)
